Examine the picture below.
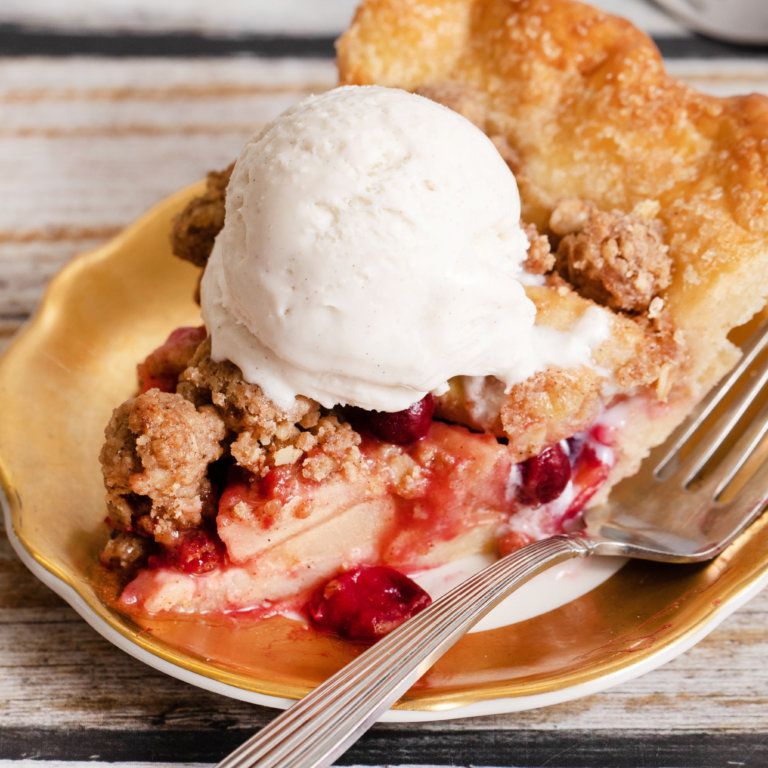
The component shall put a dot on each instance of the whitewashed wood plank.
(724, 77)
(94, 156)
(77, 183)
(8, 329)
(86, 150)
(144, 114)
(89, 158)
(59, 78)
(99, 764)
(232, 17)
(27, 267)
(32, 78)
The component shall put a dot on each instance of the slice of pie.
(643, 201)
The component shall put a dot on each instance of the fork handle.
(320, 727)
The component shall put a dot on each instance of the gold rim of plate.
(75, 361)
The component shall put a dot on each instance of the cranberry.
(589, 474)
(399, 427)
(367, 602)
(513, 540)
(196, 551)
(165, 383)
(604, 434)
(162, 367)
(280, 483)
(544, 477)
(247, 494)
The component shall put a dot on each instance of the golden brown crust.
(586, 109)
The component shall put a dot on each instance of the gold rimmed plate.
(75, 361)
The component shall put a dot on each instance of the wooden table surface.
(105, 108)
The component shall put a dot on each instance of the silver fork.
(670, 511)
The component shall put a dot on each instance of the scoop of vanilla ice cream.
(371, 251)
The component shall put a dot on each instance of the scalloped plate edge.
(494, 706)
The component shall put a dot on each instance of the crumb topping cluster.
(267, 436)
(616, 259)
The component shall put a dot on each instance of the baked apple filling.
(324, 501)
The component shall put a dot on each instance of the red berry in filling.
(367, 602)
(400, 427)
(589, 474)
(162, 367)
(196, 551)
(165, 383)
(604, 434)
(513, 540)
(544, 477)
(280, 483)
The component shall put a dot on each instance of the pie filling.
(222, 502)
(339, 549)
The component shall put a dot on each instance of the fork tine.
(737, 455)
(756, 344)
(750, 500)
(714, 438)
